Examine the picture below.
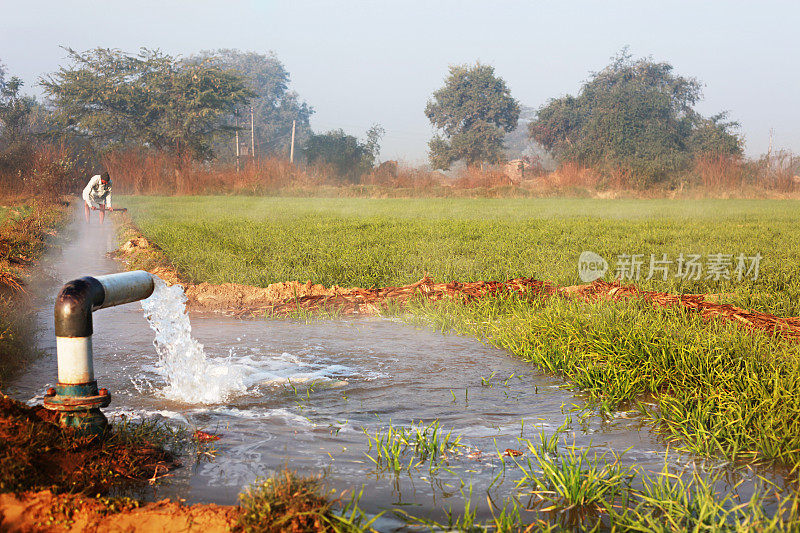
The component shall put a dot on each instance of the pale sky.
(359, 62)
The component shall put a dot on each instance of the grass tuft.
(291, 502)
(286, 502)
(690, 502)
(578, 480)
(400, 448)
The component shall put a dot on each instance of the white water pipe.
(125, 287)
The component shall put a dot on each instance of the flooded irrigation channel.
(315, 397)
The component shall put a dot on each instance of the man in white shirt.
(97, 195)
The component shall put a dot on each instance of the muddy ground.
(36, 454)
(44, 511)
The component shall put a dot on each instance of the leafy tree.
(274, 105)
(350, 157)
(372, 147)
(633, 114)
(26, 163)
(150, 99)
(15, 109)
(474, 110)
(22, 118)
(712, 135)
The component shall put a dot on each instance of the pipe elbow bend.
(74, 304)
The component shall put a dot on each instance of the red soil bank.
(284, 298)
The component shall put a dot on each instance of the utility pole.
(237, 142)
(252, 135)
(769, 152)
(291, 150)
(771, 136)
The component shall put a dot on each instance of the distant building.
(520, 169)
(386, 171)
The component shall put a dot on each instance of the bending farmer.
(97, 195)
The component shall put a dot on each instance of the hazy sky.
(358, 63)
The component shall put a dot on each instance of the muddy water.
(306, 393)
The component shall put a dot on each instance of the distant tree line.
(25, 124)
(274, 105)
(22, 118)
(635, 115)
(191, 107)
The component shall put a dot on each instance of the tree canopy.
(634, 114)
(150, 99)
(23, 118)
(349, 156)
(274, 105)
(16, 109)
(474, 110)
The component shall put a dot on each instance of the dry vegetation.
(44, 172)
(33, 181)
(150, 172)
(287, 502)
(24, 228)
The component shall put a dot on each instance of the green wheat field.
(712, 388)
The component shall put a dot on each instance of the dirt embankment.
(37, 454)
(24, 229)
(45, 512)
(703, 304)
(280, 299)
(231, 298)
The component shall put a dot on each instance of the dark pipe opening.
(74, 304)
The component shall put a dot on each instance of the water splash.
(191, 377)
